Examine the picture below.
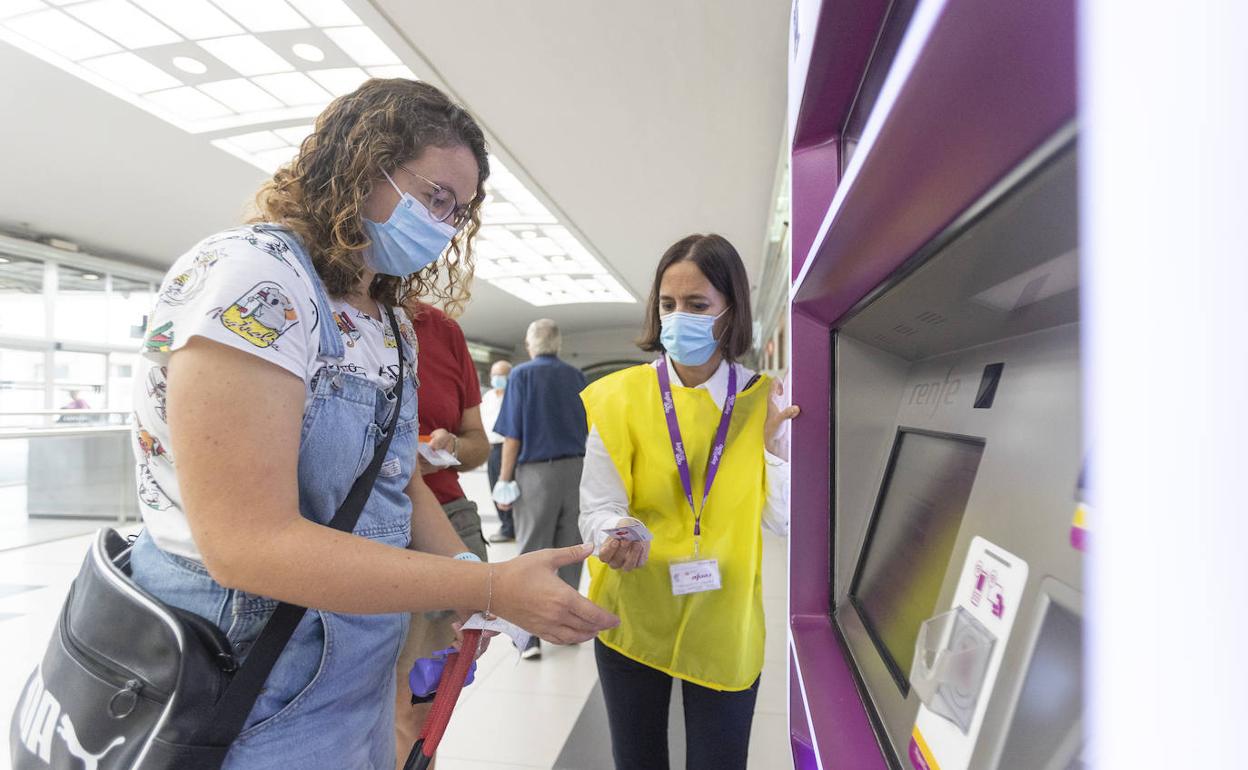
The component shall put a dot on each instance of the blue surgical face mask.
(689, 338)
(499, 381)
(409, 241)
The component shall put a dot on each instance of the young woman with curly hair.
(270, 370)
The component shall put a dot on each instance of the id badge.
(694, 576)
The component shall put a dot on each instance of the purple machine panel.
(991, 81)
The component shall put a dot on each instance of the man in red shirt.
(450, 420)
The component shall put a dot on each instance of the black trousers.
(493, 467)
(717, 724)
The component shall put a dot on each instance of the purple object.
(992, 82)
(427, 672)
(678, 446)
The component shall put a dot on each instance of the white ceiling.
(637, 123)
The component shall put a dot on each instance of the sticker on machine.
(958, 656)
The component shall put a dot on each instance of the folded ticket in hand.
(436, 457)
(518, 635)
(630, 530)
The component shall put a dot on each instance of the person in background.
(690, 445)
(491, 402)
(76, 401)
(450, 416)
(542, 423)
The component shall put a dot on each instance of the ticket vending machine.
(939, 500)
(957, 455)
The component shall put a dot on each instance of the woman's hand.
(776, 418)
(529, 592)
(440, 438)
(482, 645)
(624, 555)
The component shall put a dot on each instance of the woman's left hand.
(776, 418)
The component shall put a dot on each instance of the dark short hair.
(722, 266)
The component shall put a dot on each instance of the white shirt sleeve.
(776, 505)
(603, 498)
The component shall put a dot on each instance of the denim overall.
(329, 701)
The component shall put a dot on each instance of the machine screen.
(1046, 729)
(917, 516)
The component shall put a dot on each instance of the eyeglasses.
(443, 205)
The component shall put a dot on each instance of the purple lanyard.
(678, 446)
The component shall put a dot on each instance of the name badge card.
(696, 576)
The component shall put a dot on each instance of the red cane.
(449, 687)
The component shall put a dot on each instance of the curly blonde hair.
(320, 194)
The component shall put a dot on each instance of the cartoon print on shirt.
(160, 339)
(409, 336)
(158, 390)
(149, 444)
(272, 245)
(185, 285)
(150, 493)
(260, 316)
(350, 332)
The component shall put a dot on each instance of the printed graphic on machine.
(958, 655)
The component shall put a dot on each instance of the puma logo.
(89, 761)
(40, 715)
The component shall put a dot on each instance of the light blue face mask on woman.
(689, 338)
(409, 241)
(499, 381)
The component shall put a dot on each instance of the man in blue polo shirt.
(542, 422)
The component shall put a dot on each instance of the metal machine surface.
(956, 400)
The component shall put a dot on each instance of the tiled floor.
(518, 714)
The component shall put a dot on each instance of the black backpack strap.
(230, 713)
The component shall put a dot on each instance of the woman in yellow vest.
(683, 467)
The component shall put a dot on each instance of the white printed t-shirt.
(243, 288)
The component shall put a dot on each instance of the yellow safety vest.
(715, 638)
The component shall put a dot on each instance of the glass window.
(81, 305)
(21, 385)
(121, 368)
(21, 297)
(128, 305)
(78, 380)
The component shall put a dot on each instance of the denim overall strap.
(331, 341)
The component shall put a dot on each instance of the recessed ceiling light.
(294, 135)
(363, 45)
(4, 260)
(196, 19)
(62, 35)
(124, 23)
(263, 15)
(393, 71)
(257, 141)
(132, 72)
(247, 55)
(187, 64)
(90, 277)
(308, 52)
(18, 7)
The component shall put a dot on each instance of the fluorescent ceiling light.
(294, 135)
(393, 71)
(62, 35)
(263, 15)
(132, 72)
(18, 7)
(241, 95)
(326, 13)
(340, 80)
(258, 141)
(188, 104)
(294, 88)
(363, 45)
(124, 23)
(247, 55)
(1057, 276)
(196, 19)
